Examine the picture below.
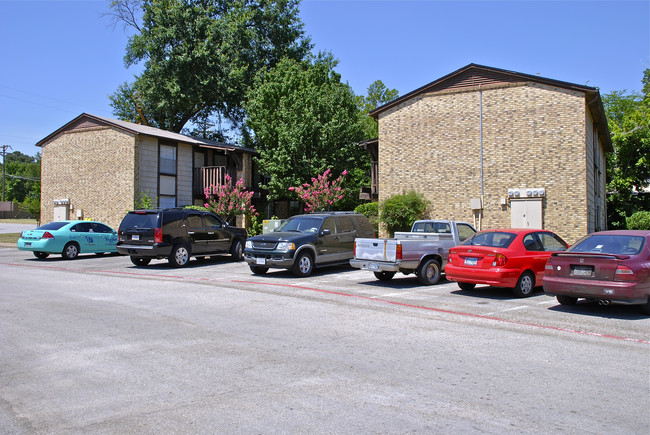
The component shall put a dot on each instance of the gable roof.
(85, 121)
(474, 75)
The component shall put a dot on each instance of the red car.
(608, 266)
(513, 258)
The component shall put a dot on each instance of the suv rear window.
(140, 220)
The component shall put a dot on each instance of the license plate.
(28, 244)
(471, 261)
(260, 260)
(372, 266)
(135, 237)
(582, 271)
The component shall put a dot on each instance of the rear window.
(609, 244)
(140, 220)
(493, 239)
(52, 226)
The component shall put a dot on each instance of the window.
(552, 242)
(167, 176)
(345, 225)
(531, 243)
(464, 232)
(211, 221)
(167, 159)
(329, 224)
(194, 221)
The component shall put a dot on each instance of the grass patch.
(9, 237)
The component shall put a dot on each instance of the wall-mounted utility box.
(475, 204)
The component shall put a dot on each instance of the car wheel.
(525, 285)
(180, 255)
(259, 270)
(139, 261)
(236, 251)
(429, 272)
(566, 300)
(646, 307)
(384, 276)
(466, 286)
(41, 255)
(70, 251)
(304, 265)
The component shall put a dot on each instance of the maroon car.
(608, 266)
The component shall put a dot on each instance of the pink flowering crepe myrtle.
(322, 193)
(229, 201)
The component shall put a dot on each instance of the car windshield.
(301, 224)
(609, 244)
(52, 226)
(492, 239)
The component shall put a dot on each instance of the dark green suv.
(177, 234)
(307, 241)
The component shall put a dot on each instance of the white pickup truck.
(422, 251)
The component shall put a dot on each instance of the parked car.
(307, 241)
(422, 251)
(177, 234)
(608, 266)
(69, 238)
(512, 258)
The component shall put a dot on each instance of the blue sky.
(62, 58)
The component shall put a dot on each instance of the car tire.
(429, 272)
(236, 251)
(525, 285)
(384, 276)
(70, 251)
(466, 286)
(180, 255)
(41, 255)
(566, 300)
(259, 270)
(304, 264)
(646, 307)
(139, 261)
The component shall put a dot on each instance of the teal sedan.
(69, 238)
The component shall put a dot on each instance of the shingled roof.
(87, 121)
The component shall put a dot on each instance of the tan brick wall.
(94, 169)
(533, 136)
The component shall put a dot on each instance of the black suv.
(306, 241)
(177, 234)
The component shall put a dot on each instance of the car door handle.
(190, 232)
(210, 232)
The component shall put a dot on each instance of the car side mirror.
(325, 232)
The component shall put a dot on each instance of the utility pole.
(4, 166)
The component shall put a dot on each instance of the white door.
(61, 212)
(526, 213)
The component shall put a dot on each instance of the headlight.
(249, 244)
(286, 246)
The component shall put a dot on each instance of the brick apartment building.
(499, 149)
(95, 167)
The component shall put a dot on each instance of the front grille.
(264, 245)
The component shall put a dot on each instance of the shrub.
(639, 221)
(371, 211)
(398, 212)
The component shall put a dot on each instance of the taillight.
(624, 273)
(157, 235)
(398, 252)
(548, 269)
(47, 235)
(354, 250)
(499, 260)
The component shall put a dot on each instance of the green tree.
(306, 121)
(22, 179)
(201, 56)
(398, 212)
(628, 167)
(378, 94)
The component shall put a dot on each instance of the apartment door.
(526, 213)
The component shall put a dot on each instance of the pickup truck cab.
(422, 251)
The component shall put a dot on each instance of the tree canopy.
(22, 178)
(378, 94)
(201, 56)
(628, 167)
(306, 121)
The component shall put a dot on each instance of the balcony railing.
(208, 176)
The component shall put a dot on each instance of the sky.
(62, 58)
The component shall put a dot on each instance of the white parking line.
(508, 309)
(389, 295)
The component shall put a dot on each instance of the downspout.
(480, 103)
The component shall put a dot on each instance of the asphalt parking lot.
(99, 345)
